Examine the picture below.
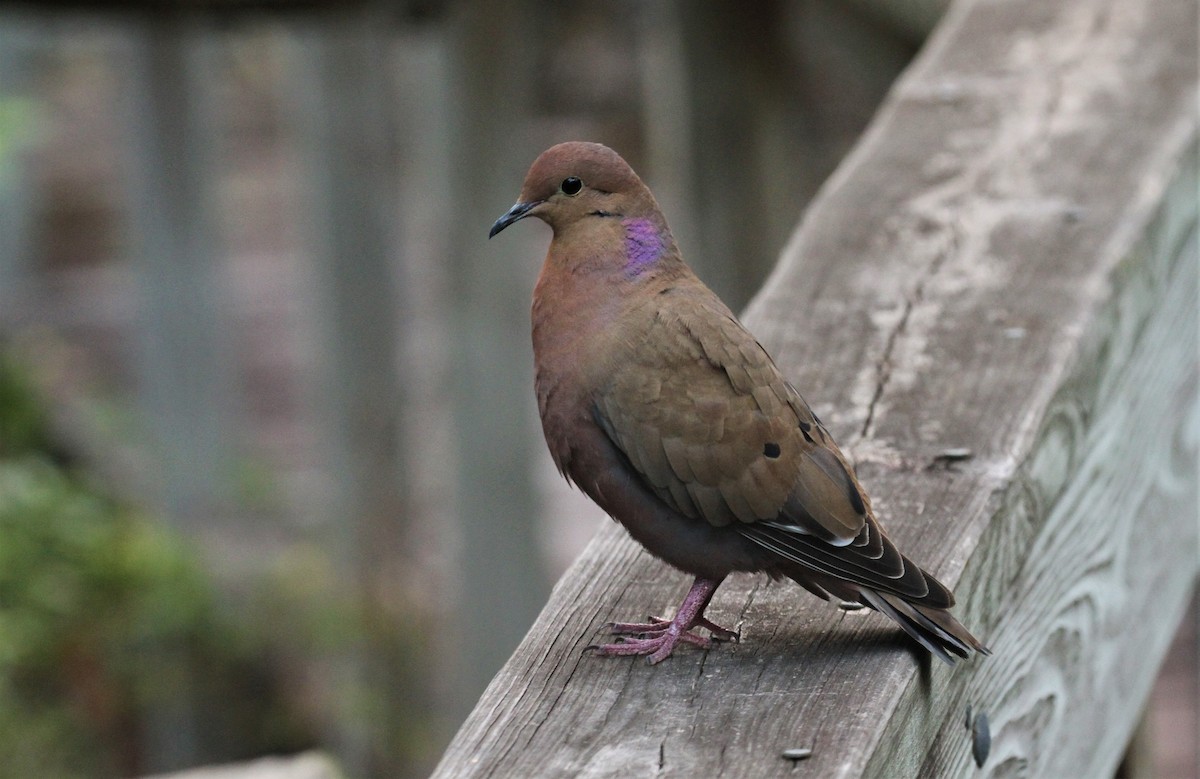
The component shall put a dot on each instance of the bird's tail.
(933, 628)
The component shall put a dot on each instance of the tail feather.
(935, 629)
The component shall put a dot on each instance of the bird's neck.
(593, 290)
(596, 266)
(647, 243)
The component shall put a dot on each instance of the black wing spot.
(804, 428)
(666, 290)
(771, 449)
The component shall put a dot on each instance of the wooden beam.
(182, 343)
(19, 40)
(489, 79)
(1007, 264)
(342, 112)
(307, 765)
(182, 338)
(747, 110)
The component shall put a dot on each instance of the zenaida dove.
(668, 413)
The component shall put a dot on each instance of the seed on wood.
(797, 753)
(849, 605)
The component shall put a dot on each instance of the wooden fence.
(1007, 264)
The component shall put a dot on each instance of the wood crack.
(566, 685)
(883, 367)
(741, 619)
(562, 689)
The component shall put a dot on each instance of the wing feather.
(699, 408)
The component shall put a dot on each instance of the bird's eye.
(571, 185)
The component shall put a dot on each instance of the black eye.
(571, 185)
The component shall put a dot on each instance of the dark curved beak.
(515, 214)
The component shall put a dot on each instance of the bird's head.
(576, 180)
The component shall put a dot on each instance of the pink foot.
(658, 625)
(659, 637)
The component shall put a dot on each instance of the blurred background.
(271, 477)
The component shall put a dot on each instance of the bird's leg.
(659, 637)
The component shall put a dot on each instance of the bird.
(661, 407)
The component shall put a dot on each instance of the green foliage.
(109, 625)
(106, 622)
(23, 421)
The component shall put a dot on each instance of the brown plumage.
(660, 406)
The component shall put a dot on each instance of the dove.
(659, 405)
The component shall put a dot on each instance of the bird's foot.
(658, 625)
(659, 637)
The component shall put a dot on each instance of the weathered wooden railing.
(1006, 264)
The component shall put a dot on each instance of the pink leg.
(659, 637)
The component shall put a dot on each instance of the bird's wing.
(703, 414)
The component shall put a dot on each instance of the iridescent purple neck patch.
(643, 245)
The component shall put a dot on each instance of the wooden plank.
(1092, 551)
(490, 70)
(742, 123)
(308, 765)
(20, 37)
(341, 110)
(182, 343)
(1005, 263)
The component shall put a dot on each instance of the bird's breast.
(577, 323)
(581, 328)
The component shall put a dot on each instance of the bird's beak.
(516, 213)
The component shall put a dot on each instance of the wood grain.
(1006, 263)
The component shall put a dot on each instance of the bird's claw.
(719, 633)
(652, 625)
